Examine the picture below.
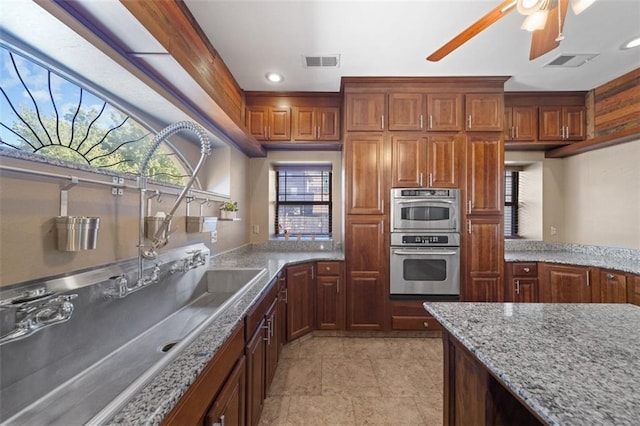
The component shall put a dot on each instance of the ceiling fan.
(544, 18)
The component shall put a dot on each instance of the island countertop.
(570, 363)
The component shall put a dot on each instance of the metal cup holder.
(77, 233)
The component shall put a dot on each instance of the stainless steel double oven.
(425, 242)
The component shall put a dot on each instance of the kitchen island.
(569, 364)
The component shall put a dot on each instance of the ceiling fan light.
(579, 6)
(529, 7)
(536, 21)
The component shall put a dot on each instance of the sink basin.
(97, 393)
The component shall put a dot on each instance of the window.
(48, 116)
(303, 201)
(510, 203)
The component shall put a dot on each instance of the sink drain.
(168, 346)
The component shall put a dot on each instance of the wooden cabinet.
(365, 112)
(565, 284)
(410, 315)
(365, 157)
(367, 254)
(267, 123)
(562, 123)
(483, 260)
(300, 300)
(282, 311)
(220, 373)
(316, 123)
(330, 296)
(431, 112)
(229, 406)
(255, 354)
(426, 161)
(634, 289)
(485, 165)
(484, 112)
(613, 287)
(520, 124)
(271, 344)
(522, 282)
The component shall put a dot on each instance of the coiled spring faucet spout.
(159, 240)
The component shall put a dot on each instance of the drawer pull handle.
(526, 269)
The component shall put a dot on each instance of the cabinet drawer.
(524, 269)
(415, 323)
(328, 268)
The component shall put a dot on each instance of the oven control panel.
(425, 239)
(408, 239)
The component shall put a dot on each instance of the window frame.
(513, 203)
(329, 203)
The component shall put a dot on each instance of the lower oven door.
(425, 271)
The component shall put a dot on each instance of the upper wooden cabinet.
(485, 163)
(365, 112)
(562, 123)
(269, 123)
(520, 124)
(420, 112)
(365, 157)
(426, 161)
(316, 123)
(484, 112)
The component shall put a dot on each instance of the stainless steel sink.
(96, 394)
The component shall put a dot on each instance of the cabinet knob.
(610, 276)
(425, 324)
(327, 268)
(526, 269)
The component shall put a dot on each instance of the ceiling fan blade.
(498, 12)
(543, 41)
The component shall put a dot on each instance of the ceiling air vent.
(321, 61)
(571, 60)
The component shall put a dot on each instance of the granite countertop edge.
(159, 396)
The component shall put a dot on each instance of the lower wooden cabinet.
(330, 296)
(566, 284)
(613, 287)
(483, 260)
(272, 348)
(229, 406)
(521, 282)
(410, 315)
(256, 358)
(634, 289)
(300, 300)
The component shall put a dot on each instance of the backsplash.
(528, 245)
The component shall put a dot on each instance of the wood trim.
(433, 84)
(627, 135)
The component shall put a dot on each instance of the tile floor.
(357, 381)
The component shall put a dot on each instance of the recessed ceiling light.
(274, 77)
(635, 42)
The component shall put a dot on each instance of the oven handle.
(424, 201)
(429, 252)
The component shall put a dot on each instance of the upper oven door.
(424, 215)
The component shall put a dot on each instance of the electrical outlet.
(214, 237)
(554, 230)
(256, 229)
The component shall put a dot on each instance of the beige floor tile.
(387, 411)
(275, 410)
(412, 348)
(319, 347)
(367, 348)
(403, 378)
(349, 377)
(431, 410)
(296, 377)
(321, 410)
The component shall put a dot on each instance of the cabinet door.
(613, 287)
(367, 260)
(329, 303)
(524, 290)
(408, 161)
(255, 353)
(565, 284)
(444, 112)
(366, 174)
(328, 122)
(271, 350)
(300, 288)
(443, 159)
(365, 112)
(406, 111)
(281, 330)
(229, 406)
(279, 124)
(485, 112)
(484, 260)
(575, 123)
(524, 122)
(485, 166)
(257, 120)
(634, 290)
(304, 124)
(550, 123)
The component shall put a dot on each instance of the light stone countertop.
(158, 397)
(572, 364)
(619, 259)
